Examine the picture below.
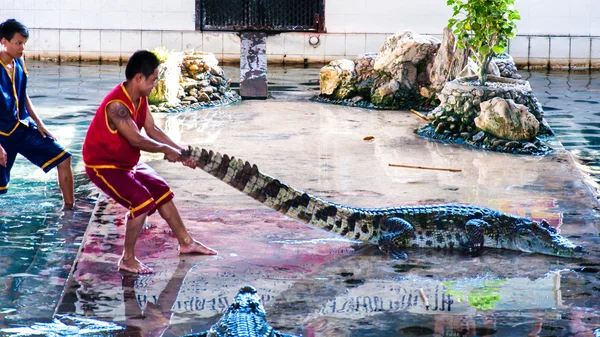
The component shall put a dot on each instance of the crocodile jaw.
(542, 238)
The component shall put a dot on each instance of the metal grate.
(260, 15)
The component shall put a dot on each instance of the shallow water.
(558, 297)
(39, 242)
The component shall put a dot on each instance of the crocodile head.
(542, 238)
(247, 301)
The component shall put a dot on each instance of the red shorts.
(140, 190)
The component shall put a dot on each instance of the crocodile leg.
(475, 235)
(398, 233)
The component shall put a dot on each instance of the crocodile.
(463, 227)
(245, 317)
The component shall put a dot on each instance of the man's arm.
(156, 133)
(120, 119)
(40, 124)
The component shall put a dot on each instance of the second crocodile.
(245, 317)
(445, 226)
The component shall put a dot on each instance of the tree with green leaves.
(484, 26)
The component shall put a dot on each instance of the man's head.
(142, 70)
(13, 36)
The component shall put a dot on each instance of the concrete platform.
(316, 283)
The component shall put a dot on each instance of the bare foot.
(134, 266)
(67, 207)
(196, 247)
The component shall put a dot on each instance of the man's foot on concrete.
(134, 266)
(196, 247)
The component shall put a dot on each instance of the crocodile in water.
(245, 317)
(444, 226)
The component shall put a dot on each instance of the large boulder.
(365, 74)
(506, 66)
(384, 91)
(337, 79)
(448, 62)
(404, 54)
(506, 119)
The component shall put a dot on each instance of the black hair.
(10, 27)
(142, 61)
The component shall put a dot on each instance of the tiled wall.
(561, 33)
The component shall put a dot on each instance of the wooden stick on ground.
(424, 298)
(426, 167)
(420, 115)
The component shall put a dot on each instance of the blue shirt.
(13, 93)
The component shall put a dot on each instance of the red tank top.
(107, 148)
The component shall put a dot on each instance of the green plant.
(162, 53)
(484, 26)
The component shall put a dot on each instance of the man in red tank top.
(111, 151)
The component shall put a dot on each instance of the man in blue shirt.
(21, 129)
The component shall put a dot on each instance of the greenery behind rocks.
(189, 81)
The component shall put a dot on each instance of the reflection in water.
(39, 242)
(341, 292)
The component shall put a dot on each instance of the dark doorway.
(260, 15)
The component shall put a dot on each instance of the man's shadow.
(155, 319)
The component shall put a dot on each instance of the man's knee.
(65, 163)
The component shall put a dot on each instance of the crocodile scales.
(245, 317)
(445, 226)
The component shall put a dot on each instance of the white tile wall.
(69, 19)
(116, 27)
(539, 51)
(275, 44)
(560, 47)
(90, 19)
(151, 39)
(131, 41)
(90, 44)
(518, 48)
(69, 40)
(294, 44)
(580, 52)
(335, 44)
(47, 18)
(172, 40)
(374, 42)
(355, 7)
(355, 45)
(32, 46)
(69, 5)
(231, 43)
(69, 44)
(192, 40)
(580, 48)
(48, 42)
(110, 44)
(27, 17)
(315, 53)
(213, 43)
(595, 52)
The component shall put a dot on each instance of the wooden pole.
(426, 168)
(420, 115)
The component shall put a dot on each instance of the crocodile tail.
(297, 204)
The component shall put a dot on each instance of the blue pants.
(45, 153)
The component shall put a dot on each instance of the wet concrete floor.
(316, 284)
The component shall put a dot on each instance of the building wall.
(560, 33)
